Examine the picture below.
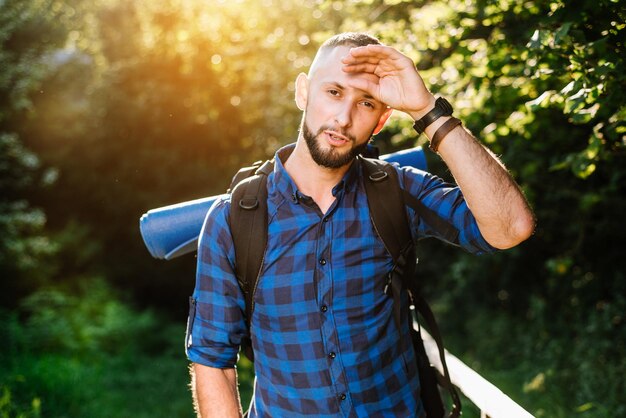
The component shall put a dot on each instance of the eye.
(333, 92)
(368, 104)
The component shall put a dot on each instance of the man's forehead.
(327, 67)
(329, 56)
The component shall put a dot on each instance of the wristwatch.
(442, 108)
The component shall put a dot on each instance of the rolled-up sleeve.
(216, 322)
(447, 202)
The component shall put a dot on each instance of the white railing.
(491, 401)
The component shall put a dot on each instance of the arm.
(501, 211)
(215, 392)
(216, 322)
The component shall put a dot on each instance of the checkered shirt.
(323, 331)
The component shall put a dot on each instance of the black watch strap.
(442, 108)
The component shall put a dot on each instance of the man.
(322, 329)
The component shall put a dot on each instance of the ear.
(302, 91)
(382, 120)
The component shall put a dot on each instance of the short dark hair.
(350, 38)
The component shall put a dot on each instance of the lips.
(335, 138)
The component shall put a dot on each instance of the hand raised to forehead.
(398, 84)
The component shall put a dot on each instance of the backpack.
(387, 200)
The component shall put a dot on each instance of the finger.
(380, 51)
(380, 65)
(386, 57)
(349, 59)
(380, 55)
(360, 68)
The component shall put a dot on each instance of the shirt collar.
(283, 183)
(286, 186)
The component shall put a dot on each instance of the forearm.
(215, 392)
(501, 211)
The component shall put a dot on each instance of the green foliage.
(23, 247)
(551, 371)
(8, 409)
(90, 322)
(83, 352)
(29, 31)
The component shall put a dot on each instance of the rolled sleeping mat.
(172, 231)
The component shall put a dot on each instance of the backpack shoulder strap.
(386, 204)
(392, 203)
(422, 307)
(243, 174)
(446, 229)
(248, 227)
(386, 200)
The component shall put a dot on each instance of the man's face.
(339, 119)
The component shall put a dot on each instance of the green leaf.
(561, 33)
(585, 115)
(539, 39)
(576, 102)
(585, 407)
(541, 101)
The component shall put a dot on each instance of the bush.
(83, 352)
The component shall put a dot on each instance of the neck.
(312, 179)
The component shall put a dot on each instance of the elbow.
(518, 231)
(524, 226)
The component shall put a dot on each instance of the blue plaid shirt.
(323, 333)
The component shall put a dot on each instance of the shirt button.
(342, 396)
(325, 219)
(324, 308)
(332, 355)
(323, 261)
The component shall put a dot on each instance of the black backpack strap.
(424, 310)
(242, 174)
(386, 201)
(378, 171)
(248, 227)
(445, 229)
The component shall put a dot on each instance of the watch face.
(442, 108)
(444, 105)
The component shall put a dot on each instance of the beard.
(331, 158)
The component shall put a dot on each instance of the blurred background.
(109, 108)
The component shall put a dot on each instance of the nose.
(343, 116)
